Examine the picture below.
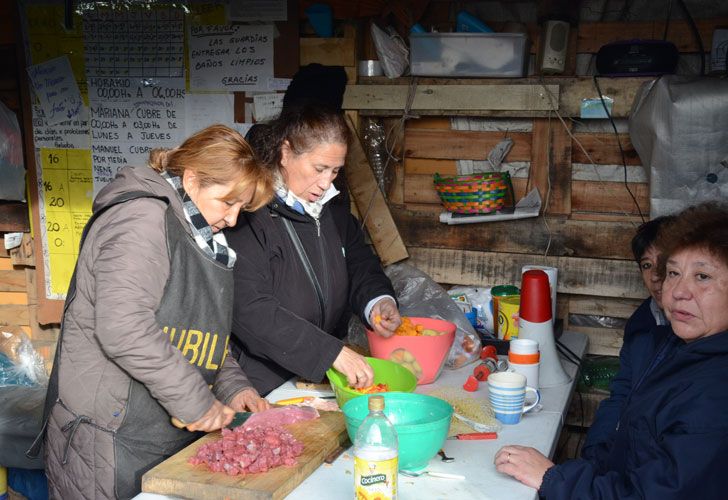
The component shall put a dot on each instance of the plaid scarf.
(213, 244)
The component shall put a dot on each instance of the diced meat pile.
(259, 445)
(246, 450)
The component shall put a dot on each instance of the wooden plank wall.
(589, 220)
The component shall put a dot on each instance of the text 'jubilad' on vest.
(199, 347)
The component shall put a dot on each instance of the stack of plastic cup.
(535, 323)
(524, 358)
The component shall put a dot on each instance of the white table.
(473, 459)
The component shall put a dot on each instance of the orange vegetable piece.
(373, 389)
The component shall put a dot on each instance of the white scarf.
(312, 208)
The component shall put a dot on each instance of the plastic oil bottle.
(375, 455)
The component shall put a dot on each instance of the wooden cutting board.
(176, 477)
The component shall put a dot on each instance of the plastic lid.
(376, 403)
(502, 290)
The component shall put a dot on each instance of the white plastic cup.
(530, 371)
(523, 346)
(524, 358)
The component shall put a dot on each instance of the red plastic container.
(535, 297)
(423, 355)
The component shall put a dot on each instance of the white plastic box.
(469, 54)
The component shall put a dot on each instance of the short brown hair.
(217, 155)
(703, 226)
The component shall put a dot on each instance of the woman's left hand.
(249, 400)
(384, 318)
(523, 463)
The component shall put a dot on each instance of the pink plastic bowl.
(423, 355)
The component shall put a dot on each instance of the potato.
(397, 356)
(407, 356)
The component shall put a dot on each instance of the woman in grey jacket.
(147, 318)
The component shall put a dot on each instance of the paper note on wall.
(129, 118)
(267, 106)
(203, 110)
(65, 187)
(146, 43)
(55, 87)
(230, 57)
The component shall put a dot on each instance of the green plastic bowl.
(421, 421)
(398, 378)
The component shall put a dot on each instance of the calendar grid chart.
(140, 43)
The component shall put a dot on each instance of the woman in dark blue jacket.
(641, 339)
(671, 439)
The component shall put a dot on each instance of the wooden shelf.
(496, 97)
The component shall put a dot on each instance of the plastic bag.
(392, 52)
(20, 364)
(482, 302)
(419, 295)
(12, 168)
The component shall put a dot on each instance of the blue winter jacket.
(641, 339)
(672, 437)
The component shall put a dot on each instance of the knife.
(238, 419)
(475, 436)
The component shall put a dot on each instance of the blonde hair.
(218, 155)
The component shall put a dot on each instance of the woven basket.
(475, 194)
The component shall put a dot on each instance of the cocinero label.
(376, 478)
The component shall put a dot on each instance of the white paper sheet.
(230, 57)
(57, 91)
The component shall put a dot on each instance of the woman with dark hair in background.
(671, 439)
(305, 263)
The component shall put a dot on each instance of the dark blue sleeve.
(673, 467)
(601, 431)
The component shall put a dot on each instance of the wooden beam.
(444, 99)
(604, 277)
(328, 51)
(595, 34)
(559, 199)
(372, 205)
(604, 149)
(14, 217)
(22, 255)
(430, 166)
(603, 306)
(464, 145)
(12, 281)
(485, 97)
(11, 314)
(602, 341)
(595, 196)
(567, 237)
(538, 173)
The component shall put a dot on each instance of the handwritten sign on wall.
(130, 118)
(56, 89)
(65, 190)
(230, 57)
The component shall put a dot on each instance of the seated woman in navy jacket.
(671, 440)
(640, 341)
